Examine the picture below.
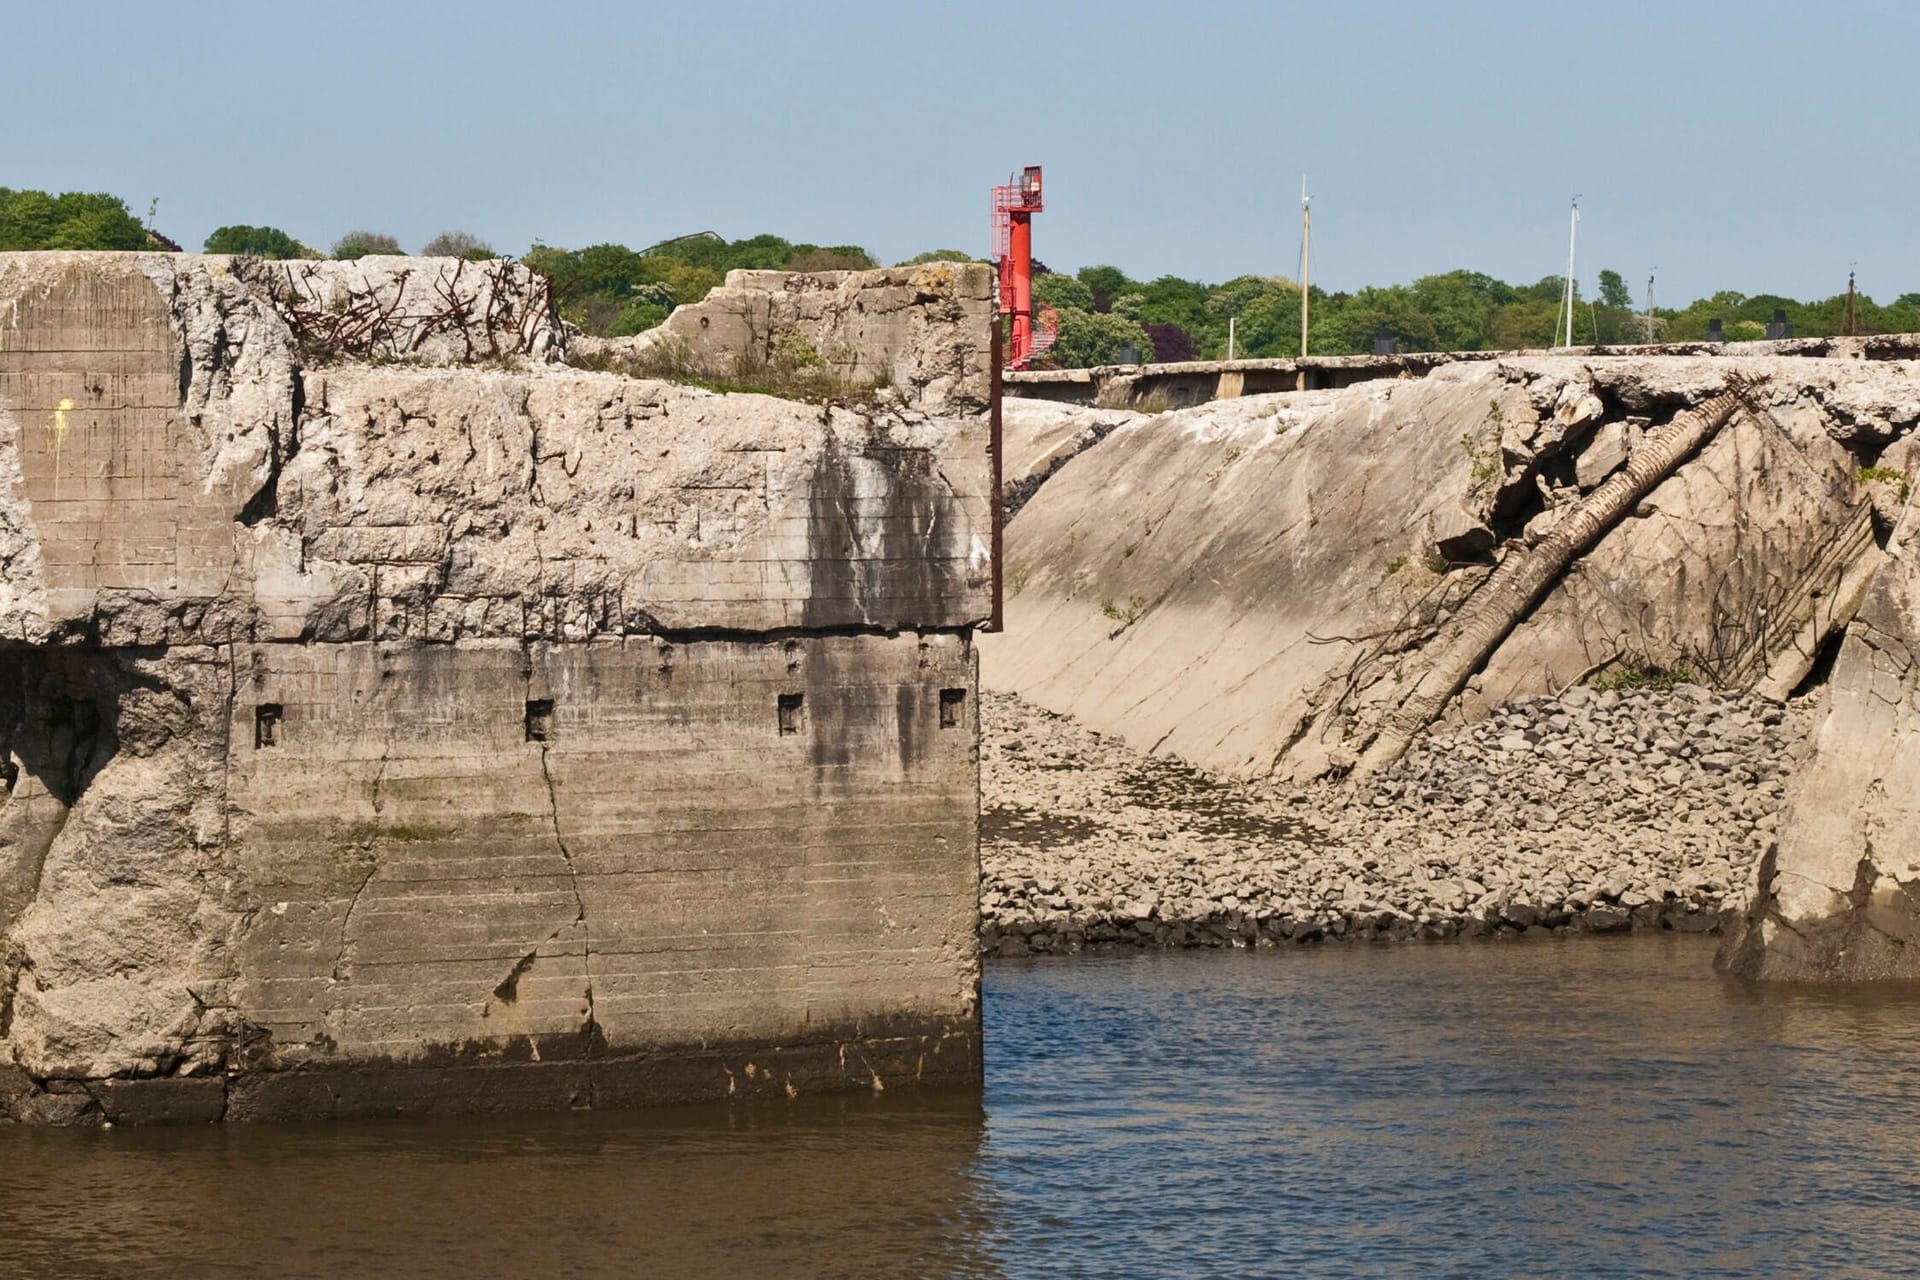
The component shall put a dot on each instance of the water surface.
(1560, 1107)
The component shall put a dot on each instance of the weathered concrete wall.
(1244, 584)
(401, 737)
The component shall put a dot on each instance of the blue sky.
(1764, 147)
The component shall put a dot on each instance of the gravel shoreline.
(1593, 811)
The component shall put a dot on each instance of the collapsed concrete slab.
(398, 719)
(1255, 585)
(1838, 897)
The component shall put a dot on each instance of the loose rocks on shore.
(1595, 811)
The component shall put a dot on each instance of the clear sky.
(1760, 146)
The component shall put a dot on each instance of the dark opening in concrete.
(540, 720)
(266, 725)
(951, 702)
(789, 710)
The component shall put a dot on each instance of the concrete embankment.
(1593, 811)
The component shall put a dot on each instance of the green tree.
(1265, 311)
(1107, 283)
(1525, 323)
(1393, 311)
(1171, 300)
(1089, 338)
(1613, 291)
(1460, 305)
(254, 242)
(1056, 290)
(74, 220)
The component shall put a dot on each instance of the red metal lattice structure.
(1013, 208)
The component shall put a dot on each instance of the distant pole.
(1230, 320)
(1852, 326)
(1649, 315)
(1306, 248)
(1573, 233)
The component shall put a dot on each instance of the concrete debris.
(1839, 898)
(1594, 811)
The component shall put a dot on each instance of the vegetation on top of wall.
(458, 244)
(790, 367)
(359, 244)
(613, 291)
(73, 220)
(257, 242)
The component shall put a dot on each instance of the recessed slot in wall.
(539, 719)
(789, 708)
(951, 702)
(266, 724)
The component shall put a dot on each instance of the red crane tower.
(1013, 208)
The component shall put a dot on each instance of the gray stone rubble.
(1593, 811)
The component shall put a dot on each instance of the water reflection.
(849, 1187)
(1561, 1107)
(1587, 1107)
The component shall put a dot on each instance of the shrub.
(792, 370)
(358, 244)
(459, 244)
(255, 242)
(941, 255)
(845, 257)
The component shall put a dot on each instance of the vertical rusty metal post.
(994, 447)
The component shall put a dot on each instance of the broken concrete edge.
(1837, 898)
(327, 505)
(546, 1074)
(920, 334)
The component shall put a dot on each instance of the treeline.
(1104, 316)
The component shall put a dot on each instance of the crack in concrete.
(580, 903)
(373, 866)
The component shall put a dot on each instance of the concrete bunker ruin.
(398, 719)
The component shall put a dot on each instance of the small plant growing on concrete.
(1634, 673)
(1884, 475)
(1127, 616)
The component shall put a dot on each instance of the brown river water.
(1561, 1107)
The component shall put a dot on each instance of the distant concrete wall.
(1187, 383)
(407, 738)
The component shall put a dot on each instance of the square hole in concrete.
(266, 724)
(789, 709)
(951, 702)
(539, 719)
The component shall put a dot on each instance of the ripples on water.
(1585, 1107)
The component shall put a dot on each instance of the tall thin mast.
(1573, 232)
(1306, 246)
(1649, 308)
